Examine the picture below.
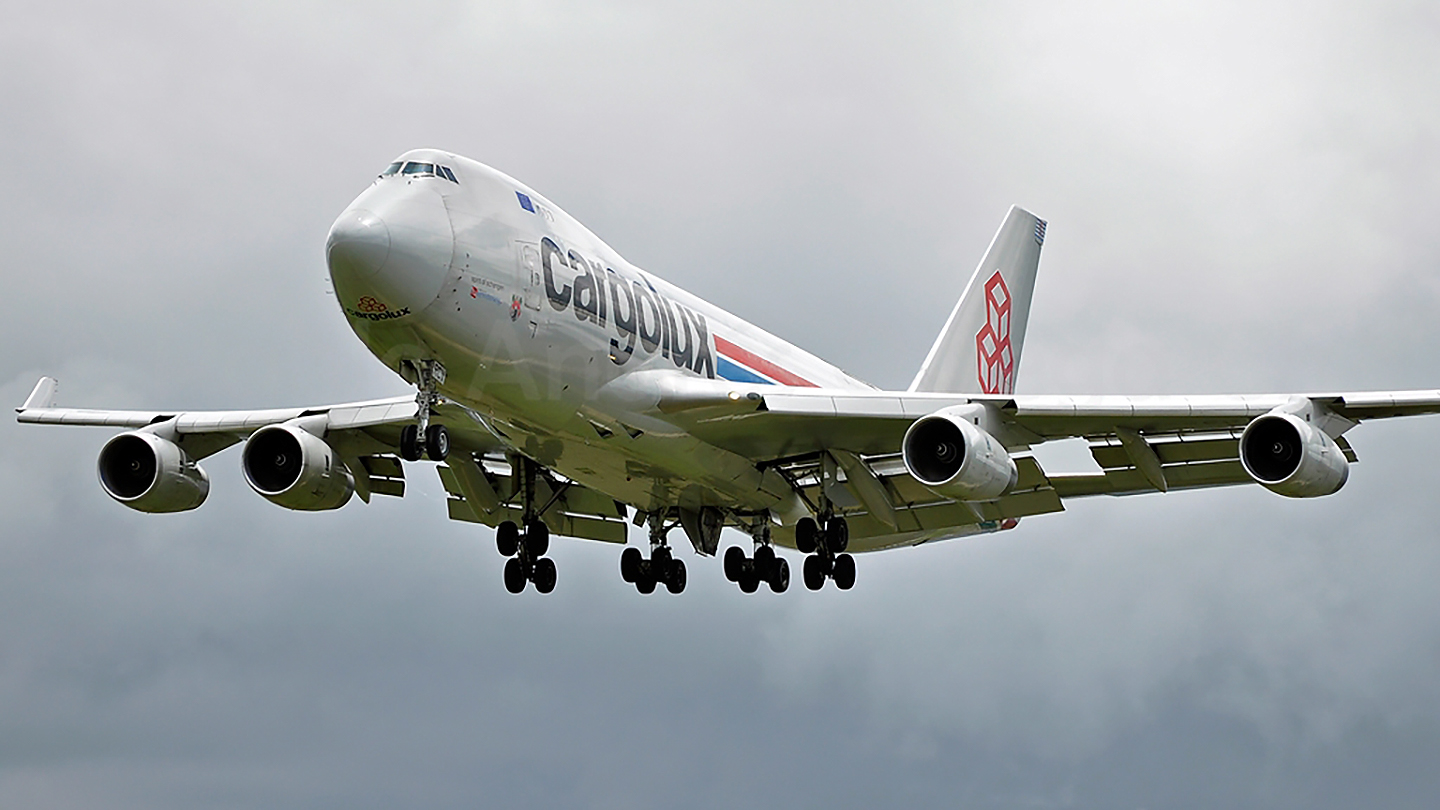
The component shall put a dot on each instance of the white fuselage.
(551, 335)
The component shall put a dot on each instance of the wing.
(39, 408)
(366, 435)
(845, 444)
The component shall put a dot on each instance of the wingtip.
(42, 396)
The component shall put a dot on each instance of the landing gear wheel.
(437, 442)
(410, 449)
(814, 572)
(764, 561)
(806, 532)
(844, 573)
(537, 538)
(645, 584)
(750, 581)
(734, 563)
(544, 575)
(675, 577)
(779, 578)
(837, 535)
(507, 538)
(514, 576)
(630, 564)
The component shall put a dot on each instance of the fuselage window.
(419, 168)
(449, 175)
(392, 169)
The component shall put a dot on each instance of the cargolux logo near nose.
(995, 362)
(372, 309)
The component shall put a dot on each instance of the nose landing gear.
(433, 443)
(423, 438)
(661, 567)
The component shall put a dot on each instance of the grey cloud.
(1239, 198)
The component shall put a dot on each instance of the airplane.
(561, 390)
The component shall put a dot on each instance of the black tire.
(844, 573)
(645, 584)
(750, 583)
(410, 449)
(734, 563)
(675, 580)
(780, 576)
(630, 564)
(437, 442)
(544, 575)
(507, 538)
(813, 572)
(805, 535)
(764, 561)
(537, 538)
(837, 535)
(514, 576)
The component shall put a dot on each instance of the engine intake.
(296, 469)
(957, 459)
(1289, 456)
(151, 474)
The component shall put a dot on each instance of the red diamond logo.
(995, 364)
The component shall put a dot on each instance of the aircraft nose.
(390, 253)
(359, 244)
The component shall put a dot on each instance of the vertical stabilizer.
(978, 351)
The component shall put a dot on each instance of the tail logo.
(995, 363)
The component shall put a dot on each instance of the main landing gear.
(661, 567)
(526, 549)
(423, 438)
(825, 548)
(765, 566)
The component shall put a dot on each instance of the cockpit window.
(415, 168)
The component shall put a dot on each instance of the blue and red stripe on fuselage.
(741, 365)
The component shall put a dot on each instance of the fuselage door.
(529, 279)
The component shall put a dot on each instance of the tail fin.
(978, 351)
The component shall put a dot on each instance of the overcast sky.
(1242, 198)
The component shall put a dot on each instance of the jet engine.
(151, 474)
(1289, 456)
(957, 459)
(296, 469)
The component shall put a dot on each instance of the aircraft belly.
(650, 472)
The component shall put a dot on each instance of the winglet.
(42, 397)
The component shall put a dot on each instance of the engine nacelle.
(957, 459)
(1289, 456)
(151, 474)
(296, 469)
